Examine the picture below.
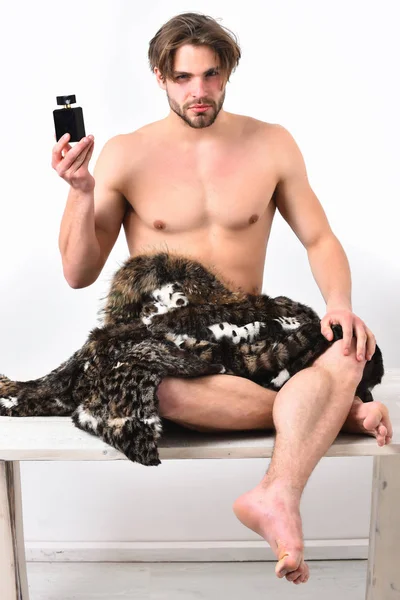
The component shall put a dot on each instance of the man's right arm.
(92, 219)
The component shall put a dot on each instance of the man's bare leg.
(308, 414)
(322, 403)
(227, 402)
(216, 403)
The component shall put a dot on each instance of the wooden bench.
(56, 438)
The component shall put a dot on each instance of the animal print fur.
(168, 315)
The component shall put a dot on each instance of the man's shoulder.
(145, 132)
(255, 123)
(264, 129)
(127, 148)
(149, 133)
(277, 137)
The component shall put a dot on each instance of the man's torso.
(212, 201)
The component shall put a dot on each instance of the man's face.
(197, 80)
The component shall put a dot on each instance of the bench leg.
(13, 578)
(383, 577)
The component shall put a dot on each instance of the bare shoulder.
(141, 138)
(122, 153)
(266, 133)
(283, 137)
(284, 142)
(271, 142)
(271, 132)
(276, 137)
(251, 125)
(290, 157)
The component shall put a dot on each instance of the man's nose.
(198, 88)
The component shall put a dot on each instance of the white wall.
(327, 71)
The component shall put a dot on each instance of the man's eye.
(185, 76)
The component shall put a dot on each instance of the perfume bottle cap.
(66, 99)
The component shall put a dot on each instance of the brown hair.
(196, 29)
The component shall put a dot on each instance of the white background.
(328, 72)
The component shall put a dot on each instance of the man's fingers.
(326, 329)
(57, 152)
(66, 149)
(80, 159)
(361, 341)
(371, 343)
(76, 157)
(347, 336)
(365, 339)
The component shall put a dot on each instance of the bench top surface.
(57, 438)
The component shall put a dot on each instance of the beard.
(200, 120)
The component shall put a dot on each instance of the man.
(206, 183)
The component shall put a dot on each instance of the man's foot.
(273, 512)
(371, 418)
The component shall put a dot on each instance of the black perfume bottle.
(69, 120)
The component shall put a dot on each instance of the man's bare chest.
(228, 188)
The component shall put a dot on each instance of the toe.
(300, 575)
(387, 423)
(295, 575)
(284, 568)
(381, 433)
(372, 420)
(381, 414)
(290, 564)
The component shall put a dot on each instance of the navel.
(159, 224)
(253, 219)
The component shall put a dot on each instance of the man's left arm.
(301, 209)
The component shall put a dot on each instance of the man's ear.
(160, 80)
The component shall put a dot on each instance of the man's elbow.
(78, 282)
(78, 285)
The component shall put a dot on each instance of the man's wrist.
(338, 303)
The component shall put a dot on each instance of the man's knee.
(174, 392)
(344, 369)
(168, 394)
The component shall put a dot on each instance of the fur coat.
(168, 315)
